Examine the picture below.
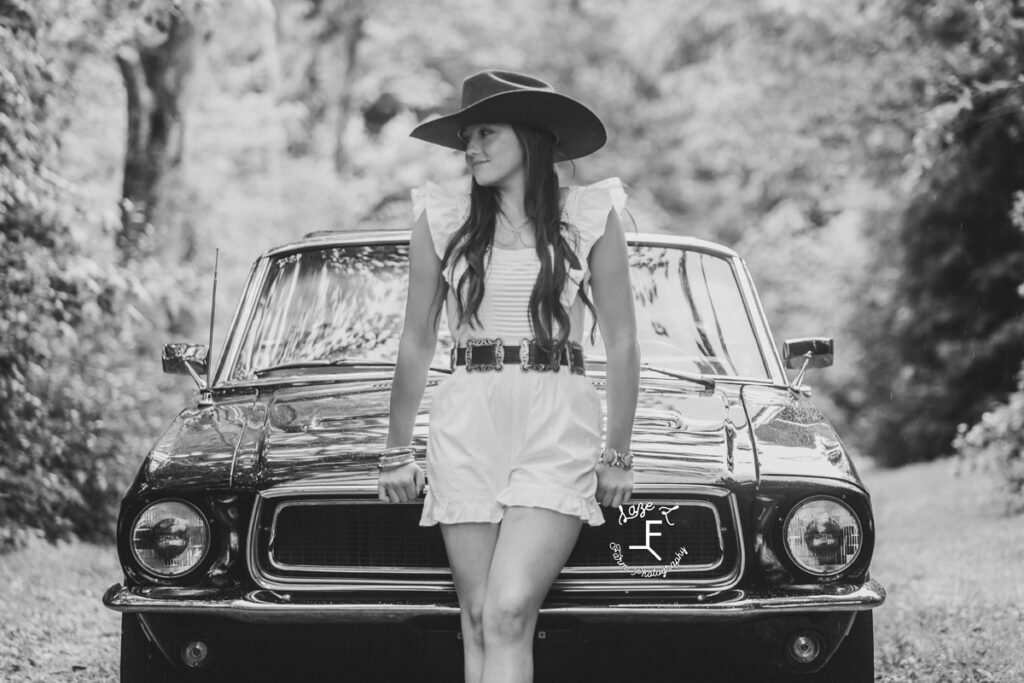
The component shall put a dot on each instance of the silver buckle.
(524, 357)
(499, 354)
(573, 367)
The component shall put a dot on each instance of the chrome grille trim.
(442, 582)
(569, 569)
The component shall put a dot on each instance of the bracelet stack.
(395, 457)
(614, 458)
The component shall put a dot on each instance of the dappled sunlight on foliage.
(61, 317)
(796, 132)
(953, 325)
(74, 418)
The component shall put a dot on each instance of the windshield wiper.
(356, 362)
(706, 382)
(292, 366)
(335, 363)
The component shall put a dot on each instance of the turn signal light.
(804, 648)
(195, 654)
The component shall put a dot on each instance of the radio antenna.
(213, 314)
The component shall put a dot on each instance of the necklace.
(509, 235)
(514, 229)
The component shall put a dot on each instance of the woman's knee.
(507, 617)
(473, 621)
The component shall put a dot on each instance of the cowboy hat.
(507, 97)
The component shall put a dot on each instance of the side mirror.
(810, 352)
(186, 359)
(815, 352)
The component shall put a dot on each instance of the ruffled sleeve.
(586, 210)
(587, 207)
(446, 212)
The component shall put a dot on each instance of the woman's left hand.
(614, 485)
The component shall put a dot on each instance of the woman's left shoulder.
(586, 207)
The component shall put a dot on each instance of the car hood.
(332, 435)
(328, 435)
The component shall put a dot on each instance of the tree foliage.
(995, 442)
(73, 324)
(824, 140)
(953, 325)
(157, 61)
(58, 311)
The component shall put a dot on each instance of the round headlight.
(823, 536)
(170, 538)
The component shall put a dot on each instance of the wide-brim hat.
(508, 97)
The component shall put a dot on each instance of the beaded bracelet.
(614, 458)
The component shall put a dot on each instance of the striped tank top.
(511, 273)
(505, 309)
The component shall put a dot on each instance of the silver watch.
(614, 458)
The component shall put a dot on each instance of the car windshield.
(334, 308)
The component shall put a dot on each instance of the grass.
(53, 625)
(952, 564)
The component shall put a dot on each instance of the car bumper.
(268, 606)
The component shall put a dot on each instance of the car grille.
(324, 535)
(692, 540)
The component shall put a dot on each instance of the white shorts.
(501, 438)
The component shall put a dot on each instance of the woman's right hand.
(401, 484)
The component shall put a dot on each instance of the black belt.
(492, 354)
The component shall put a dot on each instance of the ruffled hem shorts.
(510, 437)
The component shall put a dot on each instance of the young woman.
(515, 455)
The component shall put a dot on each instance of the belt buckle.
(526, 346)
(555, 358)
(576, 368)
(499, 354)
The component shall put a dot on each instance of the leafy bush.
(996, 445)
(950, 338)
(996, 442)
(72, 323)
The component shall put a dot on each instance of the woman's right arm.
(415, 351)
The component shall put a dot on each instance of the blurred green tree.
(950, 339)
(778, 126)
(995, 443)
(157, 60)
(63, 314)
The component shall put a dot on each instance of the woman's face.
(493, 154)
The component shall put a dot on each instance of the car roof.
(341, 238)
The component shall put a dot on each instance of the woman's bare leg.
(470, 547)
(533, 546)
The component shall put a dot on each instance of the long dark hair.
(543, 207)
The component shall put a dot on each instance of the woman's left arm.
(613, 302)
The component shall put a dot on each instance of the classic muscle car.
(253, 544)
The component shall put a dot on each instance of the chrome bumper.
(268, 606)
